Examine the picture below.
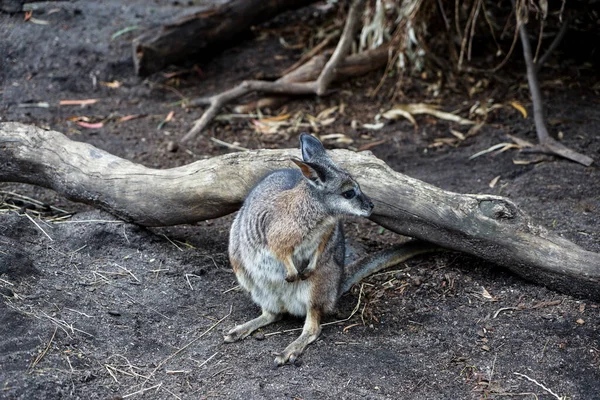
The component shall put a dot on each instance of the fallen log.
(198, 32)
(490, 227)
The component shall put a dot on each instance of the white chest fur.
(265, 276)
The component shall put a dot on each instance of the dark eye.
(349, 194)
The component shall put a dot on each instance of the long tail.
(383, 259)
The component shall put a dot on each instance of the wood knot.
(498, 209)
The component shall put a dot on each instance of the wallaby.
(287, 246)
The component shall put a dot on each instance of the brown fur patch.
(286, 232)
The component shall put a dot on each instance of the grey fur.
(287, 243)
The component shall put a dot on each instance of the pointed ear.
(312, 172)
(311, 147)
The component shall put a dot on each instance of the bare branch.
(547, 143)
(318, 87)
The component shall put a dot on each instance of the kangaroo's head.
(338, 191)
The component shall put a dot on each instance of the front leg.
(290, 269)
(308, 271)
(310, 333)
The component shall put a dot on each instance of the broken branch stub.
(490, 227)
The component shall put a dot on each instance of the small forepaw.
(304, 275)
(291, 277)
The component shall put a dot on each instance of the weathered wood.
(318, 87)
(196, 33)
(490, 227)
(354, 65)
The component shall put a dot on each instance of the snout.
(367, 206)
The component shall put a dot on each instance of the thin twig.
(170, 241)
(547, 144)
(557, 39)
(213, 326)
(343, 47)
(228, 145)
(143, 390)
(43, 353)
(39, 227)
(540, 385)
(312, 52)
(148, 307)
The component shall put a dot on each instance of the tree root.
(318, 87)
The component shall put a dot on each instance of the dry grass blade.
(39, 227)
(500, 146)
(206, 332)
(43, 353)
(228, 145)
(143, 390)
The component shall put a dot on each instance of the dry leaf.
(168, 118)
(338, 138)
(39, 21)
(580, 321)
(112, 85)
(328, 121)
(376, 126)
(516, 105)
(367, 146)
(494, 147)
(397, 113)
(458, 134)
(277, 118)
(494, 181)
(525, 162)
(544, 7)
(327, 112)
(520, 142)
(487, 294)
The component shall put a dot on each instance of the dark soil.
(112, 310)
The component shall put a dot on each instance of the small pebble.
(114, 313)
(259, 336)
